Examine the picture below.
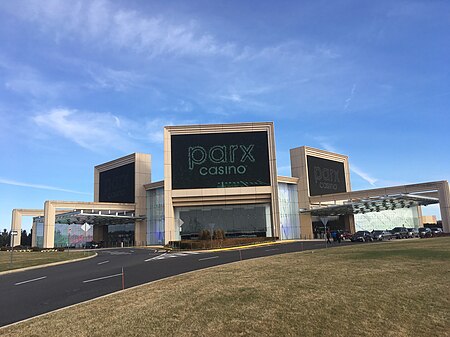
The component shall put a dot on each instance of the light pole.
(325, 221)
(12, 234)
(68, 239)
(211, 233)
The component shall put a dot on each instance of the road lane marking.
(102, 278)
(269, 250)
(170, 255)
(155, 258)
(103, 262)
(35, 279)
(209, 258)
(117, 253)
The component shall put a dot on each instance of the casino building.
(224, 177)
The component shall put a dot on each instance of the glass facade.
(155, 216)
(250, 220)
(289, 216)
(120, 234)
(39, 223)
(401, 217)
(65, 235)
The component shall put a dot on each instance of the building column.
(349, 223)
(306, 228)
(100, 233)
(33, 235)
(49, 225)
(444, 203)
(16, 225)
(419, 216)
(140, 233)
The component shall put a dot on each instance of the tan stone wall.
(16, 223)
(142, 177)
(299, 169)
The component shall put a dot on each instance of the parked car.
(347, 235)
(425, 233)
(92, 245)
(380, 235)
(400, 232)
(363, 236)
(413, 232)
(436, 231)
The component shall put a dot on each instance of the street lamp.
(12, 234)
(68, 239)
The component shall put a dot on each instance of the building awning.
(373, 204)
(98, 217)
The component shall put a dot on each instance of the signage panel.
(233, 159)
(325, 176)
(117, 184)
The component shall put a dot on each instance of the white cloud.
(103, 23)
(363, 175)
(24, 79)
(349, 99)
(353, 168)
(108, 78)
(98, 131)
(91, 130)
(232, 97)
(38, 186)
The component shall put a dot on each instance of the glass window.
(155, 216)
(289, 215)
(235, 220)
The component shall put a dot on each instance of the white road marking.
(116, 253)
(35, 279)
(209, 258)
(103, 262)
(102, 278)
(168, 256)
(155, 258)
(269, 250)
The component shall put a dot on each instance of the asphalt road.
(33, 292)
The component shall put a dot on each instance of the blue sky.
(84, 82)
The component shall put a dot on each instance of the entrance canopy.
(373, 204)
(97, 217)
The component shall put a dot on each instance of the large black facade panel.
(232, 159)
(117, 185)
(325, 176)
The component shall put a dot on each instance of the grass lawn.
(399, 288)
(28, 259)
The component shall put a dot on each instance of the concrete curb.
(46, 265)
(250, 246)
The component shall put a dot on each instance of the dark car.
(436, 231)
(425, 233)
(363, 236)
(400, 232)
(381, 235)
(92, 245)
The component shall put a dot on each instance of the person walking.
(328, 236)
(338, 236)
